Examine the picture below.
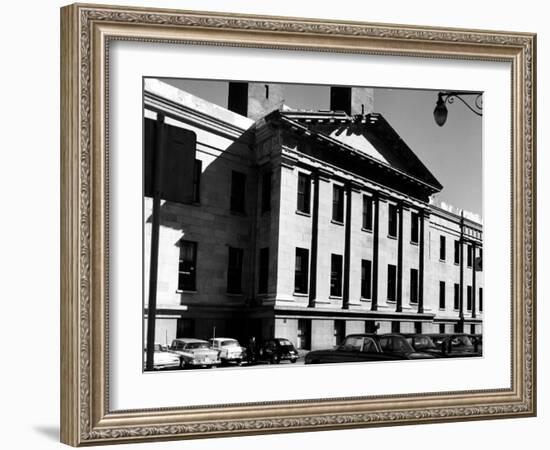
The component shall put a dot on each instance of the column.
(422, 217)
(347, 247)
(375, 239)
(399, 299)
(314, 241)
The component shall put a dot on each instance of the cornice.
(189, 115)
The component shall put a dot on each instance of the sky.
(453, 152)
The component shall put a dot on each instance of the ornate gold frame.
(86, 31)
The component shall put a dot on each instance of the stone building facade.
(307, 225)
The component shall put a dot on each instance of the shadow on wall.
(215, 223)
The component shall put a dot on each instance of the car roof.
(361, 335)
(222, 339)
(189, 340)
(446, 334)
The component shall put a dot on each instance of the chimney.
(264, 98)
(254, 100)
(237, 100)
(352, 100)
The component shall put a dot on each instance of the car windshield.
(229, 343)
(194, 345)
(437, 340)
(462, 341)
(396, 344)
(285, 343)
(422, 342)
(352, 343)
(160, 348)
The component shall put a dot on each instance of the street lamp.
(472, 100)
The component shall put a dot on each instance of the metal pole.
(153, 272)
(473, 280)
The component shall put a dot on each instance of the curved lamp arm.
(444, 97)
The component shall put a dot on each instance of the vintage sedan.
(423, 343)
(456, 345)
(194, 353)
(477, 340)
(367, 347)
(276, 350)
(229, 350)
(162, 358)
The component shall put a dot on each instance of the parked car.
(276, 350)
(194, 353)
(477, 340)
(229, 350)
(367, 347)
(423, 343)
(162, 358)
(456, 345)
(397, 345)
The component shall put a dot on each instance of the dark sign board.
(178, 161)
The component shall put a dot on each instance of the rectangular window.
(442, 250)
(415, 223)
(469, 298)
(304, 192)
(238, 189)
(481, 299)
(197, 171)
(366, 278)
(336, 275)
(338, 203)
(392, 279)
(187, 266)
(234, 270)
(442, 295)
(442, 328)
(470, 256)
(392, 220)
(367, 212)
(456, 300)
(263, 278)
(266, 192)
(479, 260)
(414, 286)
(457, 252)
(301, 271)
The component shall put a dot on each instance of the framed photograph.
(278, 224)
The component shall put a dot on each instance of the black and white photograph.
(292, 224)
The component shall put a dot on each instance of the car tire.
(293, 361)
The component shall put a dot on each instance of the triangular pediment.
(369, 135)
